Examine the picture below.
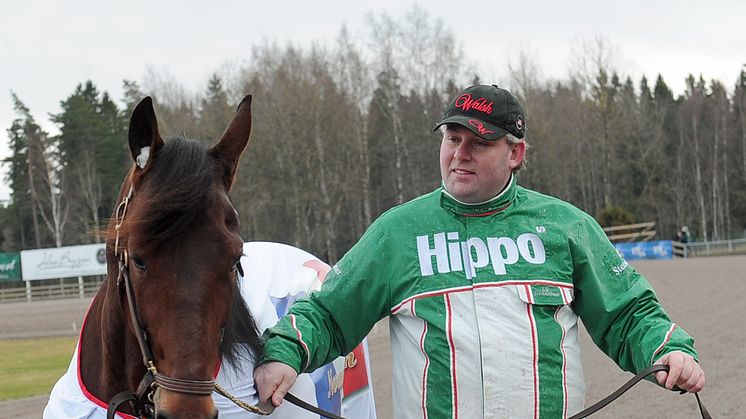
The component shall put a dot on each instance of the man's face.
(474, 169)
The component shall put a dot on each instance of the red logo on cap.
(465, 102)
(480, 127)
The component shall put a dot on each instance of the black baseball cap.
(488, 111)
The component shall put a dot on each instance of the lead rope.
(267, 411)
(240, 403)
(623, 389)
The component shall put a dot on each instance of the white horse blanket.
(276, 275)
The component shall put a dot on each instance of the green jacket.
(483, 302)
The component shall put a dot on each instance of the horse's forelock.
(177, 191)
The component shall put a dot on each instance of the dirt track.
(702, 295)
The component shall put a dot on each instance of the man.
(483, 282)
(684, 234)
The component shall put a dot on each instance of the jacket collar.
(492, 206)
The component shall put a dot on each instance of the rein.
(629, 384)
(142, 401)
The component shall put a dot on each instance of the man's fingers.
(691, 381)
(700, 384)
(282, 389)
(661, 376)
(266, 382)
(280, 393)
(273, 380)
(696, 380)
(688, 373)
(684, 372)
(675, 366)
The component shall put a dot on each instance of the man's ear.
(516, 155)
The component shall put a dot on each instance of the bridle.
(142, 401)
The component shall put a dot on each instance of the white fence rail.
(713, 248)
(49, 292)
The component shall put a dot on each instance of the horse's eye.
(138, 262)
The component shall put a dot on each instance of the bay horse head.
(170, 307)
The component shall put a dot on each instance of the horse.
(169, 309)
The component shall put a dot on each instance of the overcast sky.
(49, 46)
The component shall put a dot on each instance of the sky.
(48, 47)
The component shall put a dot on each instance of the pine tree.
(215, 112)
(24, 176)
(93, 155)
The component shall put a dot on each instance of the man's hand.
(274, 380)
(683, 371)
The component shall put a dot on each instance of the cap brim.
(477, 126)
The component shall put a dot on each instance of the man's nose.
(463, 151)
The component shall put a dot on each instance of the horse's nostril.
(216, 415)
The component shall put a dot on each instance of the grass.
(30, 367)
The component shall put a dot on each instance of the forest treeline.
(343, 132)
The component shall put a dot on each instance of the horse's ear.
(144, 139)
(233, 142)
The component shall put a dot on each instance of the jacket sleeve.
(332, 321)
(618, 306)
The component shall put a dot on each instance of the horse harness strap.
(140, 401)
(629, 384)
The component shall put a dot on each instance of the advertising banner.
(659, 249)
(10, 267)
(64, 262)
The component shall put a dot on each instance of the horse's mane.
(240, 330)
(180, 187)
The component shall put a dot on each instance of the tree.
(352, 75)
(35, 152)
(691, 131)
(719, 111)
(739, 124)
(132, 96)
(25, 141)
(92, 155)
(214, 113)
(672, 190)
(177, 108)
(604, 93)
